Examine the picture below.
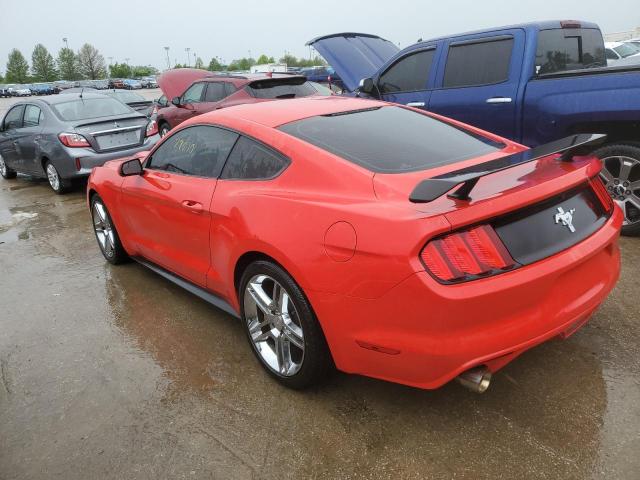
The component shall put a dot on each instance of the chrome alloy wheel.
(621, 176)
(274, 325)
(103, 229)
(52, 175)
(3, 167)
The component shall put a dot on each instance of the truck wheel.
(621, 175)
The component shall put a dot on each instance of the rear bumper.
(424, 334)
(88, 158)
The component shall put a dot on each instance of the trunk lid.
(173, 83)
(354, 56)
(113, 133)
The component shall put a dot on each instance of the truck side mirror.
(366, 85)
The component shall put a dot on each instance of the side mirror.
(176, 101)
(131, 168)
(366, 85)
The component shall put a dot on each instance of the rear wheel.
(621, 175)
(5, 171)
(106, 233)
(281, 327)
(58, 184)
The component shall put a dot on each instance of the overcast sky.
(139, 29)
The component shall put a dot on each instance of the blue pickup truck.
(532, 83)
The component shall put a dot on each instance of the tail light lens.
(73, 140)
(602, 194)
(152, 129)
(467, 255)
(155, 110)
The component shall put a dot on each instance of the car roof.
(278, 112)
(612, 44)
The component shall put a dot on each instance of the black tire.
(164, 129)
(5, 171)
(57, 184)
(620, 170)
(117, 253)
(316, 362)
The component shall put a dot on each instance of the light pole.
(188, 56)
(168, 61)
(195, 58)
(66, 43)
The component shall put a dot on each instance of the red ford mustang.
(372, 237)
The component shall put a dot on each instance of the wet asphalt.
(113, 372)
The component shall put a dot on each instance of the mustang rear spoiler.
(432, 188)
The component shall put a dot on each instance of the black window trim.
(224, 163)
(472, 42)
(399, 59)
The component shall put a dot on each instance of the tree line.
(88, 63)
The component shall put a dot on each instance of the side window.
(408, 74)
(251, 160)
(480, 63)
(199, 151)
(194, 93)
(230, 88)
(215, 92)
(14, 118)
(611, 55)
(32, 116)
(563, 49)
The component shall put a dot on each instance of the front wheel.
(281, 327)
(5, 171)
(106, 233)
(621, 175)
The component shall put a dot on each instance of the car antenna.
(81, 92)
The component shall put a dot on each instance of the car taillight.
(467, 255)
(152, 129)
(73, 140)
(155, 110)
(602, 194)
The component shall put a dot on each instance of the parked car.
(41, 88)
(529, 83)
(63, 137)
(116, 83)
(4, 91)
(617, 51)
(131, 84)
(194, 92)
(323, 74)
(325, 225)
(21, 91)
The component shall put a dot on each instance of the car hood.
(173, 83)
(354, 56)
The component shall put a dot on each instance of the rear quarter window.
(250, 160)
(391, 139)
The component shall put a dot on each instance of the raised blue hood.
(354, 56)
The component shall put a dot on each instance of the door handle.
(415, 104)
(499, 100)
(195, 207)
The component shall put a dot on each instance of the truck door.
(477, 82)
(407, 79)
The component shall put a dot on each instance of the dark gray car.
(63, 137)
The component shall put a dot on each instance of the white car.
(622, 53)
(20, 91)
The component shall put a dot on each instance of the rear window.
(565, 49)
(281, 88)
(390, 139)
(82, 109)
(126, 97)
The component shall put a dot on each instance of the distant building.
(620, 36)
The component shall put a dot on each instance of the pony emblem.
(566, 218)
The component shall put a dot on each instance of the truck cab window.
(565, 49)
(484, 62)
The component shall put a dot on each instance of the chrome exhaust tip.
(476, 379)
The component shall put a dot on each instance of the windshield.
(281, 88)
(82, 109)
(390, 139)
(626, 50)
